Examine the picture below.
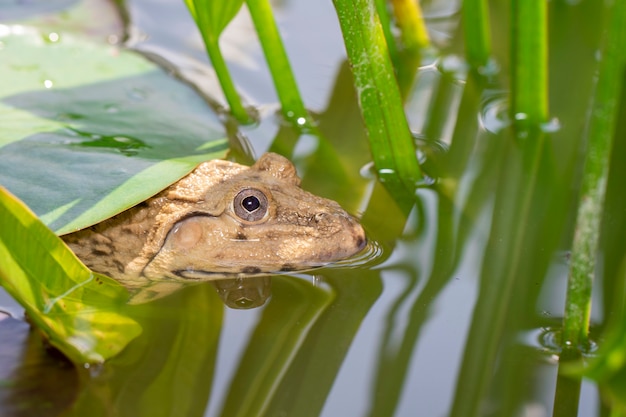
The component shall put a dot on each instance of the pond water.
(456, 305)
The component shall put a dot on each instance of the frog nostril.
(320, 217)
(361, 241)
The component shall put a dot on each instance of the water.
(457, 304)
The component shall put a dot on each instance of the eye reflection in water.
(244, 293)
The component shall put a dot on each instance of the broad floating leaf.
(90, 130)
(75, 308)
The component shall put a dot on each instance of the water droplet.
(111, 108)
(67, 117)
(137, 94)
(47, 83)
(494, 114)
(53, 37)
(426, 181)
(551, 126)
(367, 171)
(119, 171)
(521, 116)
(301, 121)
(453, 64)
(15, 30)
(491, 68)
(125, 145)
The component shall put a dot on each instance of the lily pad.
(77, 310)
(90, 130)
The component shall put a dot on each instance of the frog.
(223, 220)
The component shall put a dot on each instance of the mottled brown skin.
(222, 220)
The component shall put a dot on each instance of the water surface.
(452, 309)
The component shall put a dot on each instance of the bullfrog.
(223, 220)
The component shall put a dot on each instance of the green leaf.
(76, 309)
(90, 130)
(213, 16)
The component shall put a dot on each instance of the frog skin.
(223, 220)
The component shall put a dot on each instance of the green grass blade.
(276, 57)
(529, 64)
(76, 309)
(391, 142)
(599, 133)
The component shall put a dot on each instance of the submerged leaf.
(76, 309)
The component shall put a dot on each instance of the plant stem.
(567, 391)
(274, 50)
(228, 87)
(210, 36)
(600, 130)
(385, 21)
(391, 141)
(529, 62)
(410, 21)
(412, 41)
(476, 25)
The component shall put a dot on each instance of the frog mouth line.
(248, 271)
(200, 275)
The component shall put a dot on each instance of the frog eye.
(250, 204)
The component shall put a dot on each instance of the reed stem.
(276, 57)
(390, 139)
(529, 102)
(477, 38)
(599, 133)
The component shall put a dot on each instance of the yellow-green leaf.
(77, 310)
